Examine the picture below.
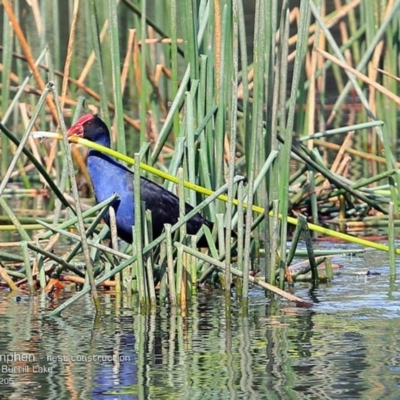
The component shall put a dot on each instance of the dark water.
(345, 347)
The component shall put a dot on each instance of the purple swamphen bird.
(109, 176)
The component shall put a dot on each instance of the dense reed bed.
(255, 131)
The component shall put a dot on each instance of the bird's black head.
(91, 128)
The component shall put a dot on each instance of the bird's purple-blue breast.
(109, 177)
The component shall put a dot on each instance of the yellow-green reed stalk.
(212, 195)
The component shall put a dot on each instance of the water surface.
(345, 347)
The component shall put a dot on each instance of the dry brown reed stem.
(342, 12)
(217, 42)
(15, 244)
(347, 142)
(126, 64)
(136, 69)
(360, 75)
(343, 167)
(365, 156)
(344, 34)
(7, 278)
(382, 71)
(80, 280)
(27, 51)
(156, 90)
(329, 22)
(158, 73)
(92, 58)
(36, 15)
(68, 58)
(159, 40)
(132, 122)
(31, 90)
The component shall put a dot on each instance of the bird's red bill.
(77, 128)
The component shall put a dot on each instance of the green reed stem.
(165, 130)
(170, 266)
(391, 242)
(138, 243)
(5, 91)
(148, 238)
(275, 236)
(328, 268)
(92, 17)
(310, 250)
(27, 263)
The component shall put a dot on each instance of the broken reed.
(201, 130)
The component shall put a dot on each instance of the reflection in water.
(335, 350)
(119, 371)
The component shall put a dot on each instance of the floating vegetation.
(230, 133)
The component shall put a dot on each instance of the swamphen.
(109, 176)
